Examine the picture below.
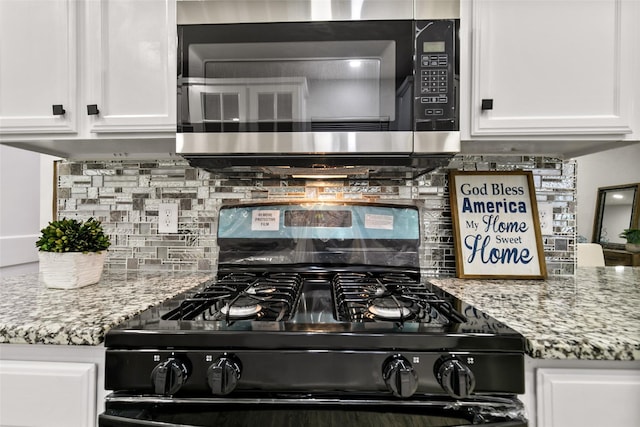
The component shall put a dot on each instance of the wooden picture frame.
(496, 226)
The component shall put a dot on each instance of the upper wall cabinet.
(549, 70)
(74, 71)
(130, 66)
(38, 62)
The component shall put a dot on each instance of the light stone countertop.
(31, 313)
(594, 315)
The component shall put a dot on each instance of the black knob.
(58, 110)
(487, 104)
(169, 376)
(400, 377)
(223, 374)
(92, 110)
(456, 378)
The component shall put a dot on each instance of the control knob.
(223, 374)
(168, 376)
(456, 378)
(400, 377)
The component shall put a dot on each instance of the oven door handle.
(114, 421)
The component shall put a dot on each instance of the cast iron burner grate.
(398, 297)
(237, 296)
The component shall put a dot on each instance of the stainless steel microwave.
(317, 83)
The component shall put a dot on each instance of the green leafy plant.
(632, 235)
(70, 235)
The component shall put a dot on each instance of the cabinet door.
(52, 394)
(37, 66)
(588, 397)
(557, 68)
(130, 65)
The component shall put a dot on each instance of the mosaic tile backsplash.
(125, 195)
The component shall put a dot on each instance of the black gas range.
(316, 311)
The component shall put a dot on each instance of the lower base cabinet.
(51, 394)
(587, 397)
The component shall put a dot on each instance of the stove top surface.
(304, 307)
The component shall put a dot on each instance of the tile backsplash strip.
(125, 196)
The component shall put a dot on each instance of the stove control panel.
(220, 372)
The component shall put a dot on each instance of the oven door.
(128, 411)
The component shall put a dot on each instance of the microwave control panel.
(437, 75)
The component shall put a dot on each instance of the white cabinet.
(588, 397)
(110, 66)
(130, 72)
(548, 70)
(62, 383)
(38, 62)
(51, 394)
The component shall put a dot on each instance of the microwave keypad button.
(438, 112)
(430, 100)
(442, 99)
(429, 112)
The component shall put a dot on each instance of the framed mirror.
(617, 208)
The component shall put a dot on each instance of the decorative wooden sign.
(496, 225)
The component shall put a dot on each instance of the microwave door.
(296, 77)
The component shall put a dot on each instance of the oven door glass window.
(296, 77)
(226, 414)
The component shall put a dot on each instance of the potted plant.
(633, 239)
(72, 253)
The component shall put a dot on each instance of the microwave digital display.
(433, 47)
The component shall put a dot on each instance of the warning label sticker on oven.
(378, 222)
(265, 220)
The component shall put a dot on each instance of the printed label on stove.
(378, 222)
(265, 220)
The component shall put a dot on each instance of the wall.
(26, 194)
(604, 169)
(125, 195)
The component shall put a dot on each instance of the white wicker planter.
(71, 270)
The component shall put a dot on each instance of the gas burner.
(236, 311)
(234, 296)
(389, 309)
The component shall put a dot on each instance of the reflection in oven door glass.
(295, 416)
